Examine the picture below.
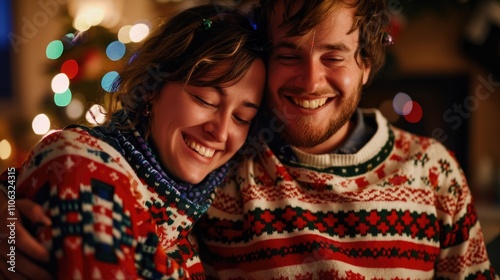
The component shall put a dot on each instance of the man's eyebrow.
(286, 45)
(223, 92)
(335, 47)
(329, 47)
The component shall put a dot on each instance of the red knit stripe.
(323, 254)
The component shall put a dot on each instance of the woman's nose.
(218, 128)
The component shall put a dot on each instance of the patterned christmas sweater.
(110, 220)
(399, 208)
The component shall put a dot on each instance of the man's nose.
(311, 76)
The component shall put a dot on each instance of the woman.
(123, 197)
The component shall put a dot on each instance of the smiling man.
(316, 81)
(331, 191)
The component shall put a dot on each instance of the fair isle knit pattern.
(114, 216)
(400, 208)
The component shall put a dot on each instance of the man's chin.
(302, 137)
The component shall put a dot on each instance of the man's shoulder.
(423, 149)
(402, 136)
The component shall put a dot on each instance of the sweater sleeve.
(98, 230)
(463, 252)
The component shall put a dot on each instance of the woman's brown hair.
(207, 45)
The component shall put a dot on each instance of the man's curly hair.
(371, 19)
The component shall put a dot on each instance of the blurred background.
(441, 79)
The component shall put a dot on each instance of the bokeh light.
(70, 68)
(60, 83)
(108, 79)
(387, 110)
(124, 34)
(115, 50)
(75, 109)
(415, 113)
(94, 15)
(63, 99)
(41, 124)
(138, 32)
(5, 149)
(399, 102)
(408, 107)
(96, 114)
(88, 17)
(80, 23)
(68, 41)
(54, 49)
(69, 37)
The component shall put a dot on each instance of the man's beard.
(305, 134)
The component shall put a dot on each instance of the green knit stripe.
(352, 170)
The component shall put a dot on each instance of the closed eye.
(241, 121)
(290, 60)
(334, 58)
(287, 57)
(202, 102)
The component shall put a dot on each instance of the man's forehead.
(339, 20)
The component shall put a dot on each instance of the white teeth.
(310, 104)
(202, 150)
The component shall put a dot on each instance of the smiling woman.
(206, 125)
(124, 196)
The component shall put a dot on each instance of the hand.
(25, 244)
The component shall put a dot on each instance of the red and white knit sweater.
(400, 208)
(108, 222)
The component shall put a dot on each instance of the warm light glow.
(41, 124)
(88, 13)
(96, 114)
(60, 83)
(80, 23)
(124, 34)
(87, 17)
(5, 149)
(138, 32)
(94, 16)
(75, 108)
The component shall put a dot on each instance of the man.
(330, 191)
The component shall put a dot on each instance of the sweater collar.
(128, 141)
(358, 137)
(367, 139)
